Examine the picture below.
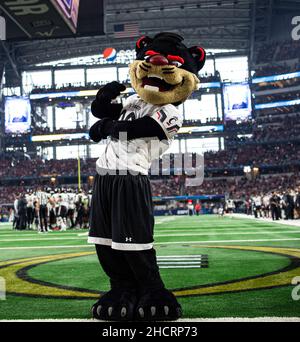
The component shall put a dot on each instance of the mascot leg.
(120, 302)
(155, 301)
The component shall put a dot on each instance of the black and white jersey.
(71, 200)
(42, 197)
(30, 200)
(137, 154)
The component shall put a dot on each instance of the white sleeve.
(169, 118)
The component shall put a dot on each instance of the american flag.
(126, 30)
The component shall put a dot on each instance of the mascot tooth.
(163, 75)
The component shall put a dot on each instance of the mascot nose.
(158, 60)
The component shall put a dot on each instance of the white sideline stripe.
(227, 229)
(83, 234)
(295, 223)
(235, 233)
(36, 233)
(165, 219)
(200, 319)
(101, 241)
(47, 247)
(182, 266)
(158, 243)
(180, 256)
(160, 230)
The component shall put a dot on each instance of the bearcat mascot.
(163, 75)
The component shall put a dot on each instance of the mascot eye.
(150, 53)
(175, 60)
(176, 63)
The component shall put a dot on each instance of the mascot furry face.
(165, 70)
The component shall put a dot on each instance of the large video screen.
(237, 101)
(69, 10)
(17, 115)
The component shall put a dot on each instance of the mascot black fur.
(121, 224)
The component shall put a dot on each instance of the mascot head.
(165, 70)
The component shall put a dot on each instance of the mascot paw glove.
(110, 91)
(101, 129)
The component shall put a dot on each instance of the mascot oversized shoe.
(116, 305)
(158, 305)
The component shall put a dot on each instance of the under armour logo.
(128, 239)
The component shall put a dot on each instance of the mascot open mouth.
(156, 83)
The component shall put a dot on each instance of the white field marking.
(209, 228)
(179, 230)
(164, 219)
(200, 319)
(34, 235)
(223, 241)
(181, 256)
(157, 243)
(181, 266)
(48, 247)
(43, 239)
(295, 223)
(171, 262)
(160, 230)
(227, 233)
(155, 235)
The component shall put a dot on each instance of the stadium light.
(247, 169)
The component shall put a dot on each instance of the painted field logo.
(2, 28)
(296, 289)
(2, 289)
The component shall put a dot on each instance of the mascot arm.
(102, 106)
(141, 128)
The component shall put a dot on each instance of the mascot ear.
(199, 56)
(141, 43)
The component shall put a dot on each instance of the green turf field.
(249, 274)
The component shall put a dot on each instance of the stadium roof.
(221, 24)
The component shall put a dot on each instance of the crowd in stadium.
(237, 156)
(279, 110)
(204, 78)
(63, 208)
(277, 51)
(292, 95)
(281, 84)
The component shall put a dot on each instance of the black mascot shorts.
(122, 212)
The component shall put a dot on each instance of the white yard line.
(158, 243)
(159, 230)
(155, 235)
(295, 223)
(165, 219)
(47, 247)
(227, 233)
(203, 320)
